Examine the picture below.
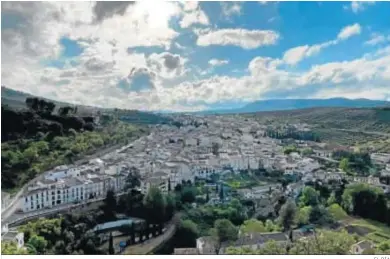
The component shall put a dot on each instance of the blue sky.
(192, 56)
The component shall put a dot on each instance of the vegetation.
(223, 231)
(10, 248)
(367, 202)
(354, 162)
(52, 139)
(73, 233)
(291, 133)
(253, 225)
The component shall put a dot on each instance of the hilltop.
(16, 100)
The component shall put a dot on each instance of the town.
(231, 152)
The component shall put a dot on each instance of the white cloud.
(357, 7)
(376, 39)
(107, 32)
(349, 31)
(295, 55)
(230, 9)
(218, 62)
(246, 39)
(193, 14)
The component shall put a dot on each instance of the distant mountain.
(293, 104)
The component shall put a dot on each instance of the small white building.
(12, 236)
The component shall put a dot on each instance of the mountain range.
(294, 104)
(17, 99)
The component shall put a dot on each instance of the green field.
(242, 180)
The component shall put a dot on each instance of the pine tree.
(111, 250)
(221, 194)
(169, 185)
(207, 195)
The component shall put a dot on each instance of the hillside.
(364, 119)
(294, 104)
(17, 101)
(39, 134)
(362, 125)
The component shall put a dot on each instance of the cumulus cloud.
(167, 65)
(295, 55)
(105, 9)
(218, 62)
(105, 74)
(193, 14)
(246, 39)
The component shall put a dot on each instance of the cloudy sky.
(181, 56)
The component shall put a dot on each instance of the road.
(13, 206)
(326, 159)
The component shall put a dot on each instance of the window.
(26, 199)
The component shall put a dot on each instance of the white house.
(360, 247)
(12, 236)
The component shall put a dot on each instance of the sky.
(187, 56)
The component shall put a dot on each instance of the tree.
(320, 216)
(39, 243)
(287, 215)
(302, 217)
(221, 193)
(169, 185)
(307, 151)
(186, 234)
(337, 212)
(207, 195)
(365, 201)
(10, 248)
(253, 225)
(332, 199)
(215, 148)
(269, 248)
(309, 197)
(324, 243)
(344, 164)
(111, 249)
(188, 195)
(109, 207)
(133, 178)
(155, 205)
(170, 206)
(223, 231)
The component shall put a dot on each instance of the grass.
(238, 181)
(337, 212)
(381, 232)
